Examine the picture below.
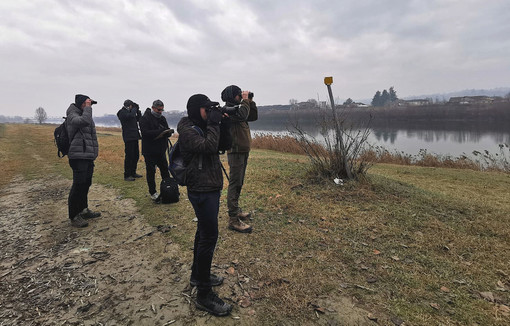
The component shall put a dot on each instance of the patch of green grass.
(403, 234)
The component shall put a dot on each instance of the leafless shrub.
(340, 153)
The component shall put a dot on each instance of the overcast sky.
(169, 50)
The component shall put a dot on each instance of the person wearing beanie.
(239, 153)
(204, 182)
(155, 133)
(83, 151)
(129, 115)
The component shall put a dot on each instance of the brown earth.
(118, 271)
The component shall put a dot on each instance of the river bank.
(412, 245)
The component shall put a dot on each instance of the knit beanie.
(79, 99)
(194, 104)
(128, 103)
(229, 93)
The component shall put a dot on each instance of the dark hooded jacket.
(82, 133)
(151, 127)
(129, 121)
(240, 130)
(200, 153)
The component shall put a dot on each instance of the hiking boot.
(79, 222)
(243, 216)
(130, 178)
(155, 196)
(87, 213)
(136, 175)
(237, 225)
(211, 303)
(215, 280)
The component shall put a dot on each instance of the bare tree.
(40, 115)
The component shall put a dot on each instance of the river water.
(452, 139)
(453, 142)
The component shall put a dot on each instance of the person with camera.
(83, 151)
(155, 134)
(129, 115)
(238, 154)
(204, 181)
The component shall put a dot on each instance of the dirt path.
(117, 271)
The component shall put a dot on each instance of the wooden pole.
(339, 138)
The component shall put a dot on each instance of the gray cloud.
(143, 50)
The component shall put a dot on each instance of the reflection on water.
(455, 141)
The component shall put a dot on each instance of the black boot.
(215, 280)
(211, 303)
(87, 213)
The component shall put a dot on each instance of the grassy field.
(416, 244)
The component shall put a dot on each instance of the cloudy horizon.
(145, 50)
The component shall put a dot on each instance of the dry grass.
(480, 161)
(418, 243)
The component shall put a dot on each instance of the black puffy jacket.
(151, 127)
(200, 153)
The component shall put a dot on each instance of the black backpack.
(62, 140)
(169, 191)
(176, 164)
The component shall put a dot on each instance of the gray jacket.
(82, 133)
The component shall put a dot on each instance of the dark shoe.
(136, 175)
(243, 216)
(237, 225)
(129, 178)
(213, 304)
(215, 280)
(79, 222)
(87, 213)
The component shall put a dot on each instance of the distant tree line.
(384, 98)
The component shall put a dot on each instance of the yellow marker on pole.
(328, 81)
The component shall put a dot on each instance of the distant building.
(464, 100)
(414, 102)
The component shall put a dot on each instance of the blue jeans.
(206, 206)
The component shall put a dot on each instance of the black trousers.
(151, 161)
(132, 154)
(82, 179)
(206, 206)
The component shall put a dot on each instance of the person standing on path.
(83, 151)
(129, 115)
(155, 133)
(200, 143)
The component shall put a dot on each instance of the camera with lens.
(225, 109)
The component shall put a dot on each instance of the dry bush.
(280, 143)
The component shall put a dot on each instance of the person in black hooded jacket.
(204, 181)
(155, 133)
(129, 115)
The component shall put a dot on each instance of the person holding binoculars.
(238, 155)
(129, 115)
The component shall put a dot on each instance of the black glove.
(214, 116)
